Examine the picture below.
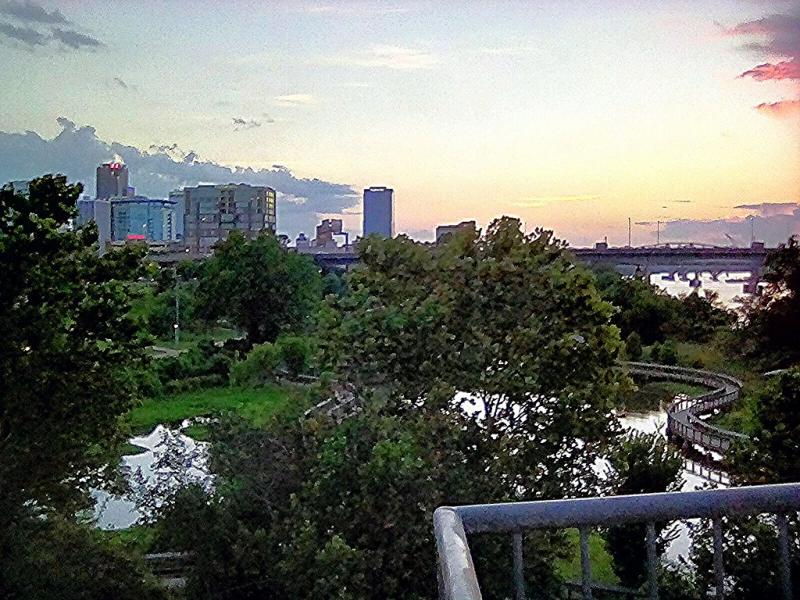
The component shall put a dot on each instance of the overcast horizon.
(571, 116)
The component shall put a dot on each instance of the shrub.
(655, 353)
(633, 346)
(258, 366)
(296, 352)
(198, 382)
(669, 354)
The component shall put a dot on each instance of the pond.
(170, 459)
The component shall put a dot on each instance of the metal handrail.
(458, 579)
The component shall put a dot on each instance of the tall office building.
(379, 211)
(141, 216)
(98, 211)
(211, 212)
(112, 180)
(443, 232)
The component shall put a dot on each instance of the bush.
(258, 367)
(669, 354)
(296, 352)
(655, 353)
(190, 384)
(633, 346)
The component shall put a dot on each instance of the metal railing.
(459, 581)
(683, 416)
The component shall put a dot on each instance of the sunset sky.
(572, 115)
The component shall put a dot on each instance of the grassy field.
(255, 405)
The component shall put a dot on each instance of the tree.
(639, 464)
(259, 285)
(633, 346)
(773, 319)
(312, 508)
(66, 346)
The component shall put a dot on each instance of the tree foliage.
(639, 464)
(773, 327)
(260, 286)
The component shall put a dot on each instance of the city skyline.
(570, 116)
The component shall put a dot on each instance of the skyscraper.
(211, 212)
(112, 180)
(379, 211)
(152, 218)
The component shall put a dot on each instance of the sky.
(571, 115)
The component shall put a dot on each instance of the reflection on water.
(728, 286)
(170, 460)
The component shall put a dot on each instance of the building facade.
(212, 212)
(98, 211)
(379, 211)
(112, 180)
(445, 231)
(141, 216)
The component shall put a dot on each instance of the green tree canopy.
(260, 286)
(65, 343)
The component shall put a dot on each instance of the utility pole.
(177, 326)
(658, 233)
(629, 232)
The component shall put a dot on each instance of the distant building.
(178, 198)
(20, 187)
(211, 212)
(98, 211)
(137, 216)
(302, 242)
(445, 231)
(112, 180)
(379, 211)
(326, 231)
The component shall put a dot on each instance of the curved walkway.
(683, 416)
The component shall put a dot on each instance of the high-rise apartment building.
(112, 180)
(379, 211)
(141, 216)
(211, 212)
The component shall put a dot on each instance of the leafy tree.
(260, 286)
(67, 345)
(668, 354)
(65, 340)
(639, 464)
(297, 353)
(773, 327)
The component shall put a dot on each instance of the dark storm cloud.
(76, 152)
(31, 12)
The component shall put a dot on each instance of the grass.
(255, 405)
(138, 539)
(189, 339)
(129, 449)
(602, 571)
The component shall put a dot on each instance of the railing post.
(586, 565)
(519, 568)
(719, 565)
(783, 550)
(652, 562)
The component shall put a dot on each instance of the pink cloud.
(782, 109)
(788, 69)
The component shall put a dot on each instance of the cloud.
(240, 123)
(294, 99)
(769, 209)
(777, 36)
(354, 9)
(76, 152)
(539, 201)
(73, 39)
(25, 35)
(772, 229)
(782, 109)
(389, 57)
(787, 69)
(31, 12)
(508, 51)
